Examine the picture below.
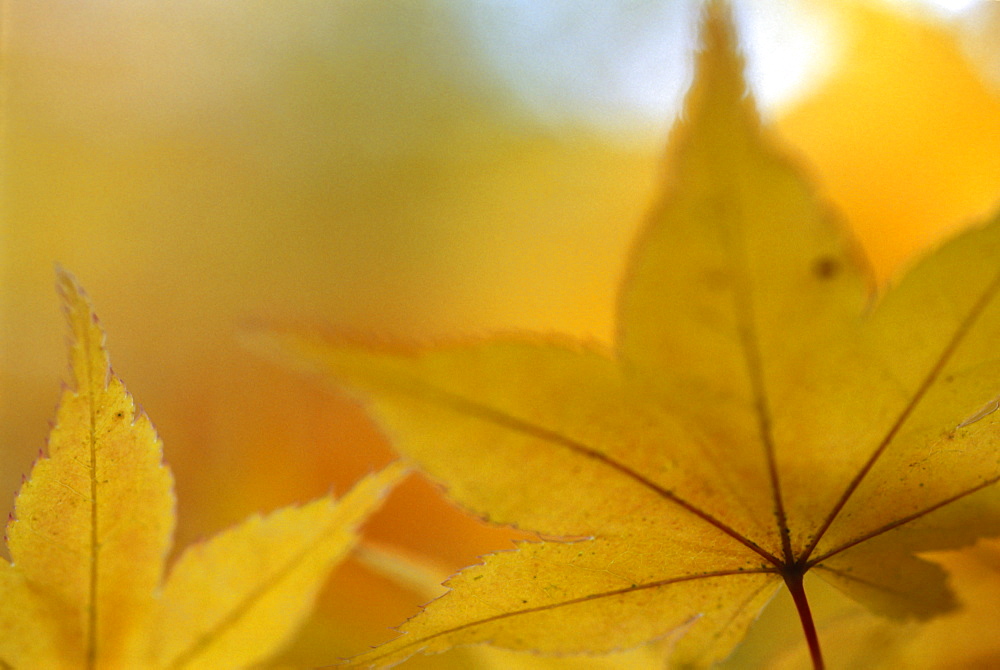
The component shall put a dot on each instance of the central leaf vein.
(91, 391)
(750, 347)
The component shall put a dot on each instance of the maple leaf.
(93, 525)
(761, 416)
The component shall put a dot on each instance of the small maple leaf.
(93, 526)
(759, 418)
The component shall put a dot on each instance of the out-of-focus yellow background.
(413, 169)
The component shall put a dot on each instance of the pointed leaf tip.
(719, 84)
(718, 32)
(89, 362)
(73, 296)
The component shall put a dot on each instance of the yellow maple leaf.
(761, 416)
(92, 529)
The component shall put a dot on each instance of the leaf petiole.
(793, 580)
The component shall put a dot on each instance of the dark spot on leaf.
(825, 267)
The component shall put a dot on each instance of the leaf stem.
(793, 580)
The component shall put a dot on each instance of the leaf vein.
(91, 392)
(903, 521)
(966, 324)
(867, 582)
(750, 346)
(567, 603)
(483, 412)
